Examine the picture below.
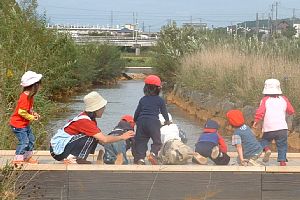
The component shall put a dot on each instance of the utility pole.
(270, 24)
(293, 21)
(276, 15)
(245, 27)
(111, 19)
(143, 27)
(257, 24)
(149, 28)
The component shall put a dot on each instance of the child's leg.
(281, 143)
(21, 135)
(29, 148)
(141, 140)
(155, 135)
(266, 139)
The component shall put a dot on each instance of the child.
(22, 117)
(173, 151)
(273, 108)
(248, 148)
(79, 137)
(148, 124)
(211, 145)
(115, 153)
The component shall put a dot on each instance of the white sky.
(155, 13)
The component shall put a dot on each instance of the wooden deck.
(54, 180)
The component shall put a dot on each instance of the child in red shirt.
(22, 117)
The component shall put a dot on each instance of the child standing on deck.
(147, 121)
(248, 148)
(22, 117)
(273, 108)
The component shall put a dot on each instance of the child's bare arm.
(239, 150)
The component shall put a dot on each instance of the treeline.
(25, 44)
(226, 66)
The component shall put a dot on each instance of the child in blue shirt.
(147, 121)
(248, 148)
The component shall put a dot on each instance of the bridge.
(117, 40)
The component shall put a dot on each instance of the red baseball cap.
(153, 80)
(129, 119)
(235, 118)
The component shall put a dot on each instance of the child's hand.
(127, 135)
(244, 162)
(36, 116)
(167, 123)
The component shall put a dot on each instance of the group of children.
(151, 120)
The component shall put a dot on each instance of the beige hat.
(272, 86)
(94, 101)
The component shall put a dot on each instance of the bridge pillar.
(137, 49)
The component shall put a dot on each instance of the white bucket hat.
(162, 119)
(30, 78)
(94, 101)
(272, 86)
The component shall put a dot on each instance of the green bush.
(25, 44)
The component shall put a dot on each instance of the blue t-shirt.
(151, 107)
(244, 136)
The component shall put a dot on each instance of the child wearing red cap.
(248, 148)
(147, 121)
(115, 153)
(211, 145)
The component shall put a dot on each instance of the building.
(297, 27)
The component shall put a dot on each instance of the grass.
(237, 76)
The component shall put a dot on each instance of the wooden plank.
(278, 186)
(105, 186)
(281, 169)
(43, 185)
(46, 153)
(164, 186)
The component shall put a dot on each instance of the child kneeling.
(115, 153)
(173, 151)
(211, 145)
(248, 148)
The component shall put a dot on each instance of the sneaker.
(119, 160)
(282, 163)
(100, 157)
(267, 155)
(215, 152)
(252, 162)
(140, 162)
(152, 159)
(199, 159)
(82, 161)
(30, 160)
(69, 161)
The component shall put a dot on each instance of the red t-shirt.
(84, 126)
(25, 104)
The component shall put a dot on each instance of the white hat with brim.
(93, 102)
(30, 78)
(272, 86)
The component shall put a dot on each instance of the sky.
(152, 14)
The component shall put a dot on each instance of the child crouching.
(211, 145)
(248, 148)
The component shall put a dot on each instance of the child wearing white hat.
(22, 117)
(80, 136)
(272, 110)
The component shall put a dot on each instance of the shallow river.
(123, 99)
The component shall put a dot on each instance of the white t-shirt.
(169, 132)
